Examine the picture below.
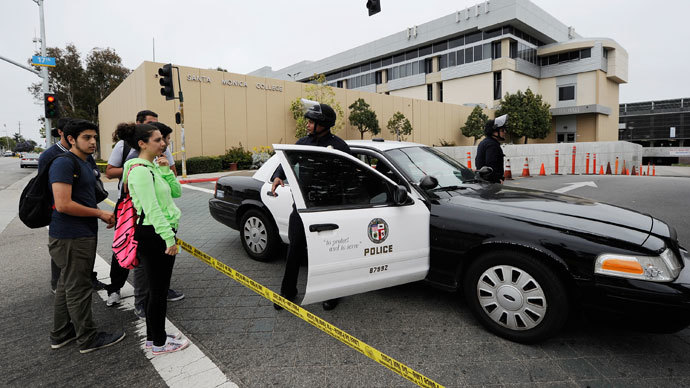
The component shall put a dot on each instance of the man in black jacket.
(489, 152)
(321, 118)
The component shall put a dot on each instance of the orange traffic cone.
(601, 170)
(608, 168)
(653, 169)
(634, 171)
(542, 171)
(525, 169)
(624, 171)
(507, 174)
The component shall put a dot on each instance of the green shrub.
(202, 164)
(238, 155)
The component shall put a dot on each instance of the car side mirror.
(428, 182)
(400, 195)
(483, 173)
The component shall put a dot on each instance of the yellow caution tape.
(349, 340)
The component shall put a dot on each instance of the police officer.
(489, 152)
(320, 119)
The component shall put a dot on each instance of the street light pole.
(44, 70)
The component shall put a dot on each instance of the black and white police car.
(396, 212)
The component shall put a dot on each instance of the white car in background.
(29, 159)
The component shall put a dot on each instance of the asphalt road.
(429, 330)
(10, 171)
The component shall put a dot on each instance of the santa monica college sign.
(229, 82)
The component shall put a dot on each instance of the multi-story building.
(662, 127)
(478, 54)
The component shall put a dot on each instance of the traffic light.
(166, 82)
(52, 108)
(374, 6)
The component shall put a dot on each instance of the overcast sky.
(244, 36)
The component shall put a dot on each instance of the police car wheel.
(259, 236)
(516, 296)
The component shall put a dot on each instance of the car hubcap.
(511, 297)
(255, 234)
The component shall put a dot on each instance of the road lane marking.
(198, 188)
(573, 186)
(187, 368)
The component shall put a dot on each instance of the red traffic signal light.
(52, 108)
(166, 82)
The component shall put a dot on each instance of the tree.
(317, 90)
(363, 118)
(474, 126)
(25, 146)
(7, 143)
(528, 115)
(400, 126)
(82, 85)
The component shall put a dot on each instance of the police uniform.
(324, 116)
(298, 240)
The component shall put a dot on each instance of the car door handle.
(322, 227)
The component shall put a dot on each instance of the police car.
(395, 212)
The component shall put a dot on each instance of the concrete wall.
(225, 109)
(474, 89)
(536, 154)
(418, 92)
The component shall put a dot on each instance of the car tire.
(259, 236)
(516, 296)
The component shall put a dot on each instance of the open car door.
(360, 235)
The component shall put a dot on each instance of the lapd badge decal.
(378, 230)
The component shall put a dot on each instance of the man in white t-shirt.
(114, 169)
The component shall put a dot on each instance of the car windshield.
(416, 162)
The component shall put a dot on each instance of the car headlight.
(662, 268)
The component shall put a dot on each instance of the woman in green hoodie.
(153, 186)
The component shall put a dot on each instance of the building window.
(460, 56)
(477, 53)
(566, 138)
(443, 61)
(379, 77)
(428, 68)
(339, 84)
(497, 85)
(429, 93)
(468, 55)
(513, 50)
(451, 59)
(586, 53)
(566, 93)
(440, 91)
(496, 49)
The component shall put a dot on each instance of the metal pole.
(44, 71)
(182, 140)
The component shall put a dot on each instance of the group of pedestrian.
(149, 178)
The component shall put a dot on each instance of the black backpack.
(36, 201)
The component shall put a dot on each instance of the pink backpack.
(124, 244)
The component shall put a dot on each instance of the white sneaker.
(177, 336)
(113, 298)
(171, 345)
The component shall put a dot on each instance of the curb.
(197, 180)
